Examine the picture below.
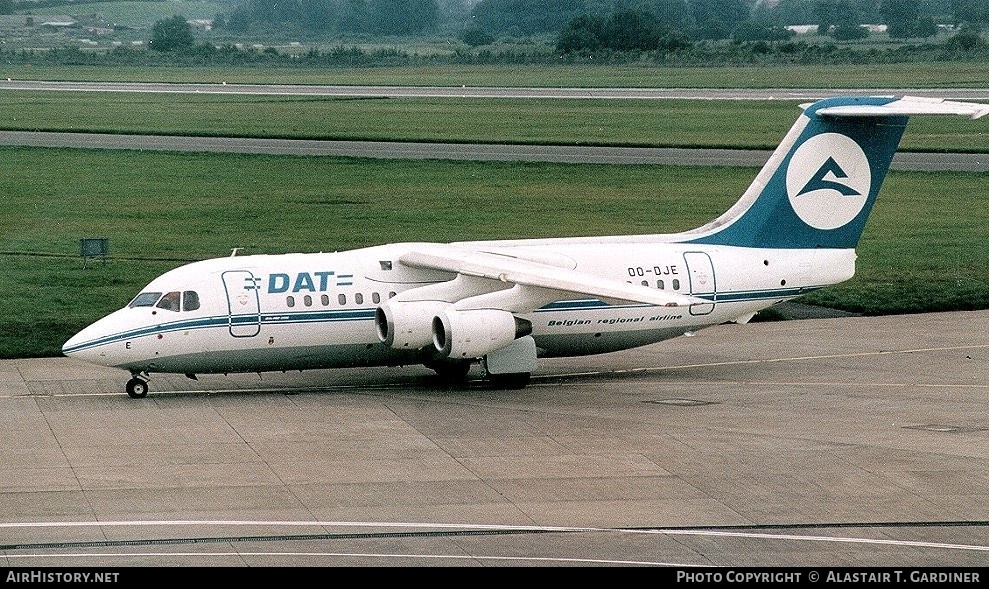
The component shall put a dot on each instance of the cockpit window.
(170, 301)
(190, 300)
(145, 299)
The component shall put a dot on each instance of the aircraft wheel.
(137, 388)
(516, 380)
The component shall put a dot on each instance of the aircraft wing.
(565, 282)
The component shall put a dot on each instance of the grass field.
(660, 123)
(924, 248)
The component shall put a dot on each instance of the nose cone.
(75, 344)
(69, 347)
(85, 345)
(92, 343)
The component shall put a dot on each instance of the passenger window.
(145, 299)
(170, 301)
(375, 298)
(190, 300)
(645, 283)
(307, 300)
(391, 294)
(676, 284)
(325, 299)
(342, 299)
(290, 300)
(359, 299)
(660, 285)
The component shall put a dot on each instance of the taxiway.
(821, 442)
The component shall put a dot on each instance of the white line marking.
(355, 555)
(498, 527)
(913, 543)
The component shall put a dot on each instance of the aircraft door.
(703, 284)
(243, 303)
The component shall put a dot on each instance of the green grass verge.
(661, 123)
(924, 248)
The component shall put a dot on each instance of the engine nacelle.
(407, 325)
(473, 334)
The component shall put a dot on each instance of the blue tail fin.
(818, 187)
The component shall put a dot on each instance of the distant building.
(201, 23)
(55, 22)
(808, 29)
(22, 22)
(802, 29)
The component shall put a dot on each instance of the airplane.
(506, 304)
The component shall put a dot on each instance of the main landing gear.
(454, 373)
(137, 386)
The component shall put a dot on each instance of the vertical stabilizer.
(818, 187)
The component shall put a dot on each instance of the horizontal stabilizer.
(908, 106)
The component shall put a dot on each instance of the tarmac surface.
(854, 441)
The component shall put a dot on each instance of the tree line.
(173, 43)
(584, 25)
(589, 27)
(693, 20)
(374, 17)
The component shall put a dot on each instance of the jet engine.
(407, 325)
(475, 333)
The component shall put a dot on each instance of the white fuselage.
(301, 311)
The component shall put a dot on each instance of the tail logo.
(828, 180)
(820, 180)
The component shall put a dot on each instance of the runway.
(928, 162)
(821, 442)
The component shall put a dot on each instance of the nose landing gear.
(137, 386)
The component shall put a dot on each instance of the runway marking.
(276, 523)
(360, 555)
(788, 383)
(912, 543)
(507, 528)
